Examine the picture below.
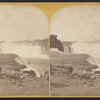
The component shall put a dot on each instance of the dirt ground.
(62, 85)
(29, 87)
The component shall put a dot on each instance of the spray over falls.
(24, 50)
(27, 52)
(91, 48)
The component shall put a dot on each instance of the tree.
(55, 43)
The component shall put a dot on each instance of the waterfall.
(24, 50)
(91, 48)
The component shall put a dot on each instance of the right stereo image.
(75, 51)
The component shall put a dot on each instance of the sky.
(20, 22)
(77, 23)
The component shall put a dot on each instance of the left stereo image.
(24, 59)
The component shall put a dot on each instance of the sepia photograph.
(75, 51)
(24, 59)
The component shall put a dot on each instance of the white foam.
(56, 50)
(23, 50)
(92, 49)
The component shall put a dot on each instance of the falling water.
(25, 50)
(91, 48)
